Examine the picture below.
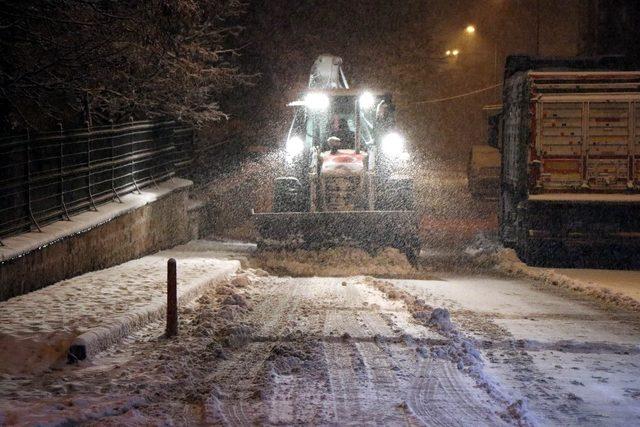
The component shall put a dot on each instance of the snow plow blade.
(313, 230)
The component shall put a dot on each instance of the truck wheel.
(538, 253)
(530, 253)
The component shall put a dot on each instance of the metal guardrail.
(52, 175)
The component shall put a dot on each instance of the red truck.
(570, 152)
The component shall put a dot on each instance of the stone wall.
(157, 225)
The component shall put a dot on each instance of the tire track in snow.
(244, 405)
(371, 373)
(364, 387)
(443, 376)
(401, 359)
(343, 375)
(297, 397)
(382, 370)
(440, 397)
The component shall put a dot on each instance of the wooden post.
(172, 299)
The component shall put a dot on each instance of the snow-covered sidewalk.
(621, 288)
(37, 329)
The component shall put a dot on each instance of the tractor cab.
(355, 118)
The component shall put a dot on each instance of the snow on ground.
(625, 282)
(269, 350)
(37, 328)
(586, 197)
(16, 245)
(619, 288)
(572, 361)
(147, 379)
(464, 349)
(339, 261)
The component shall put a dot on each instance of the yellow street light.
(470, 29)
(448, 53)
(455, 52)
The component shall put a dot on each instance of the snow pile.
(287, 358)
(210, 330)
(21, 355)
(340, 261)
(441, 319)
(507, 262)
(518, 413)
(488, 253)
(118, 410)
(458, 349)
(482, 246)
(286, 364)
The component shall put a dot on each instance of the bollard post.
(172, 299)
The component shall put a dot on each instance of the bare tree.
(104, 60)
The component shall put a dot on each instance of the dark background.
(399, 46)
(394, 45)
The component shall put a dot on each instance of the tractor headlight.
(392, 144)
(316, 101)
(294, 146)
(366, 100)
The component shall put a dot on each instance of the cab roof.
(339, 92)
(347, 92)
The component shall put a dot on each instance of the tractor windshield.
(338, 120)
(341, 121)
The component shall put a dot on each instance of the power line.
(462, 95)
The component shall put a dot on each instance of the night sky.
(399, 46)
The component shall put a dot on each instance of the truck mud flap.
(312, 230)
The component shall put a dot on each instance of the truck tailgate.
(588, 144)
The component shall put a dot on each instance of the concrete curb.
(100, 338)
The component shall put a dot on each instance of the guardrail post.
(133, 174)
(113, 167)
(172, 299)
(33, 219)
(164, 164)
(65, 213)
(89, 166)
(154, 156)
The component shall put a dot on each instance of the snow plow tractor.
(344, 180)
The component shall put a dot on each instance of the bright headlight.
(316, 101)
(366, 100)
(392, 144)
(294, 146)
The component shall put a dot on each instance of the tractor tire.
(412, 253)
(287, 195)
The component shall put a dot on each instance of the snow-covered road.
(573, 361)
(356, 350)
